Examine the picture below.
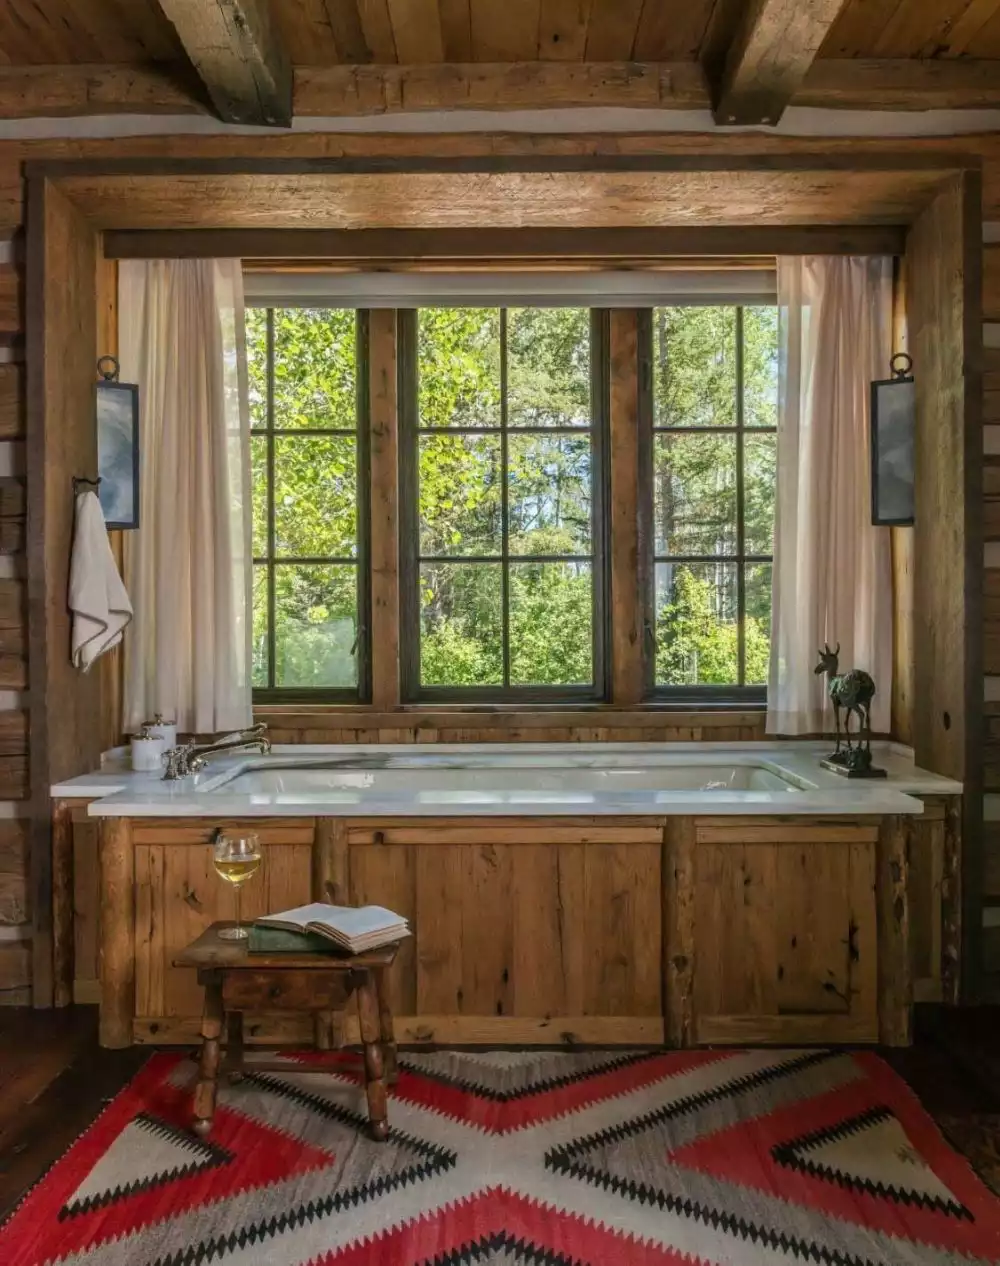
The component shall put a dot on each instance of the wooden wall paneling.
(991, 281)
(416, 30)
(456, 30)
(13, 635)
(62, 903)
(14, 907)
(235, 49)
(384, 443)
(679, 966)
(548, 965)
(810, 936)
(629, 569)
(12, 515)
(944, 309)
(330, 882)
(116, 958)
(386, 875)
(62, 254)
(771, 52)
(622, 922)
(562, 29)
(952, 904)
(925, 898)
(86, 904)
(895, 981)
(785, 933)
(12, 401)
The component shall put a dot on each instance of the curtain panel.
(832, 579)
(188, 567)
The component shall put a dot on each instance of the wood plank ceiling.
(750, 57)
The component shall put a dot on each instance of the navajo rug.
(518, 1159)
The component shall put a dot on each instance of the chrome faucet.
(191, 758)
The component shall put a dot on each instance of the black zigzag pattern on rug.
(556, 1158)
(205, 1155)
(501, 1249)
(788, 1154)
(564, 1160)
(436, 1161)
(543, 1086)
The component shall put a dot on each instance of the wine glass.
(236, 858)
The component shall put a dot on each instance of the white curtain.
(832, 569)
(188, 567)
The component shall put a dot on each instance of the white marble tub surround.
(401, 780)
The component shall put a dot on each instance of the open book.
(351, 928)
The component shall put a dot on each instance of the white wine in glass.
(236, 858)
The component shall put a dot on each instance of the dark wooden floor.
(54, 1080)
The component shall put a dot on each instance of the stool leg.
(234, 1045)
(375, 1087)
(385, 1026)
(208, 1070)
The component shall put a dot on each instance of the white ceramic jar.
(147, 751)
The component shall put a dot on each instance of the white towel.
(97, 599)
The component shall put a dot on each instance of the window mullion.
(504, 507)
(271, 594)
(741, 595)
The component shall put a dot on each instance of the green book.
(271, 940)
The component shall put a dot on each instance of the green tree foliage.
(548, 494)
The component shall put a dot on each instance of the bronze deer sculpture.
(852, 692)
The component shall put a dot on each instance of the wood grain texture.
(239, 57)
(679, 931)
(62, 903)
(11, 402)
(796, 194)
(784, 934)
(944, 301)
(629, 606)
(15, 909)
(769, 57)
(117, 960)
(384, 542)
(895, 981)
(489, 249)
(376, 85)
(61, 443)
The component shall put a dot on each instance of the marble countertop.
(117, 791)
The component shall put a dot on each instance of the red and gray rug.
(518, 1159)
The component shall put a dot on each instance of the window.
(502, 502)
(309, 479)
(714, 373)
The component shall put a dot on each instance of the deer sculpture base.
(853, 762)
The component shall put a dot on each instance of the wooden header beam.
(465, 247)
(360, 91)
(236, 52)
(774, 46)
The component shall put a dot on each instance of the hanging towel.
(99, 605)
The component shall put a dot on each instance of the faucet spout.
(191, 758)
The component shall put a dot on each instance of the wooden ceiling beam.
(774, 46)
(238, 55)
(356, 91)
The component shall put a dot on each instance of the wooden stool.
(236, 981)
